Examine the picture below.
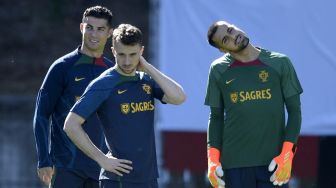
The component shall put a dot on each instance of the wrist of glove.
(283, 164)
(215, 171)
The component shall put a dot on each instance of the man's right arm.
(73, 128)
(214, 139)
(215, 127)
(46, 100)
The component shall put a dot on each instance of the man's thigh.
(122, 184)
(263, 178)
(64, 178)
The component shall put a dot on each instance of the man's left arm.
(173, 92)
(293, 106)
(283, 162)
(291, 89)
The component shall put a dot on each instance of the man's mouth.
(238, 39)
(94, 41)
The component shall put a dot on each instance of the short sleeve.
(213, 96)
(290, 83)
(94, 95)
(158, 92)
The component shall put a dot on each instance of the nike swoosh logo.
(79, 79)
(121, 91)
(229, 81)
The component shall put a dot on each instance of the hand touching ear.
(142, 64)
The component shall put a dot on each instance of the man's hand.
(215, 171)
(142, 64)
(45, 174)
(284, 165)
(117, 166)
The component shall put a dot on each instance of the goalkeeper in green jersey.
(250, 144)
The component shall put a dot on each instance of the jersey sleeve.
(213, 96)
(48, 95)
(158, 92)
(94, 95)
(293, 106)
(289, 81)
(215, 128)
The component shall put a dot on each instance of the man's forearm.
(215, 128)
(74, 130)
(41, 129)
(293, 127)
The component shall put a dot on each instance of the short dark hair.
(99, 12)
(211, 32)
(127, 34)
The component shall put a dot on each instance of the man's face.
(230, 38)
(95, 32)
(127, 57)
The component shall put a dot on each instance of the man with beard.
(247, 91)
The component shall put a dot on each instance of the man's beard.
(243, 44)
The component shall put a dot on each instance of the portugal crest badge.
(263, 75)
(125, 108)
(234, 97)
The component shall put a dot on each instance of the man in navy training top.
(60, 163)
(123, 97)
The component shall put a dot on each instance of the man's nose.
(127, 61)
(94, 33)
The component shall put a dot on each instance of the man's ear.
(110, 32)
(113, 52)
(142, 50)
(222, 50)
(81, 27)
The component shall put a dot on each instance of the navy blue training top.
(64, 83)
(125, 106)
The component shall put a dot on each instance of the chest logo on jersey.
(229, 81)
(135, 107)
(125, 108)
(234, 97)
(121, 91)
(147, 88)
(263, 75)
(242, 96)
(77, 79)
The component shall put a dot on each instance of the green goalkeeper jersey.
(252, 95)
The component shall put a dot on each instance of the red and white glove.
(283, 162)
(215, 171)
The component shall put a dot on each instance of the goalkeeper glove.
(215, 171)
(283, 163)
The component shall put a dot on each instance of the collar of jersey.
(85, 59)
(126, 78)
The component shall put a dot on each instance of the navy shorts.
(65, 178)
(122, 184)
(249, 177)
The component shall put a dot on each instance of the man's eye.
(229, 30)
(225, 39)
